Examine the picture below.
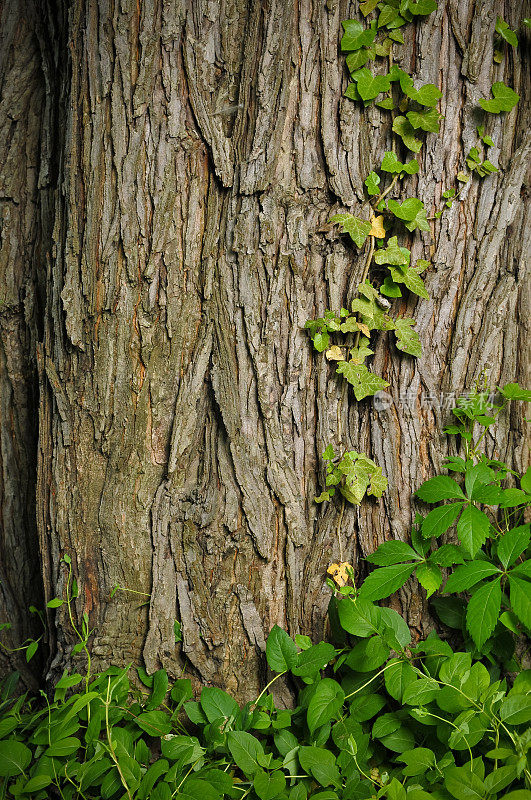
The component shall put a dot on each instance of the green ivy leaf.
(355, 35)
(393, 254)
(426, 120)
(403, 128)
(463, 784)
(420, 693)
(483, 611)
(281, 650)
(439, 520)
(427, 95)
(410, 277)
(368, 6)
(364, 383)
(368, 85)
(358, 229)
(473, 528)
(325, 703)
(357, 59)
(505, 32)
(505, 99)
(216, 703)
(385, 581)
(389, 288)
(407, 339)
(390, 163)
(389, 16)
(417, 761)
(412, 212)
(371, 182)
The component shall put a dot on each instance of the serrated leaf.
(403, 128)
(447, 556)
(512, 544)
(407, 339)
(364, 383)
(469, 575)
(473, 528)
(521, 599)
(393, 254)
(281, 650)
(430, 577)
(385, 581)
(358, 229)
(356, 35)
(483, 611)
(439, 520)
(505, 99)
(393, 552)
(512, 391)
(442, 487)
(412, 212)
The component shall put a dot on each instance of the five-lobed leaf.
(364, 382)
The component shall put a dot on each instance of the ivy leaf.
(505, 99)
(422, 7)
(387, 103)
(390, 289)
(521, 599)
(365, 383)
(393, 254)
(371, 182)
(505, 32)
(426, 120)
(385, 581)
(473, 528)
(356, 35)
(406, 131)
(378, 483)
(368, 6)
(483, 611)
(390, 163)
(357, 59)
(368, 306)
(360, 353)
(377, 227)
(358, 229)
(412, 212)
(368, 85)
(430, 577)
(320, 764)
(411, 278)
(361, 475)
(427, 95)
(439, 520)
(389, 16)
(407, 339)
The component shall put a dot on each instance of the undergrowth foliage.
(377, 713)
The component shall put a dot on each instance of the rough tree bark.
(201, 147)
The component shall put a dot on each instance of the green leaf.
(55, 603)
(399, 741)
(154, 723)
(371, 182)
(391, 164)
(467, 576)
(357, 59)
(14, 758)
(442, 487)
(368, 6)
(505, 99)
(368, 654)
(417, 761)
(368, 85)
(440, 519)
(358, 229)
(447, 556)
(246, 751)
(398, 677)
(412, 212)
(355, 35)
(392, 254)
(430, 577)
(320, 764)
(365, 383)
(516, 710)
(512, 544)
(426, 120)
(281, 650)
(407, 339)
(473, 528)
(358, 617)
(37, 784)
(483, 611)
(463, 784)
(403, 128)
(393, 552)
(364, 707)
(217, 704)
(427, 95)
(505, 32)
(512, 391)
(385, 581)
(313, 659)
(325, 703)
(389, 17)
(269, 785)
(411, 278)
(63, 747)
(521, 599)
(500, 779)
(391, 621)
(390, 289)
(525, 481)
(420, 693)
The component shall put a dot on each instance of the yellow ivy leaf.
(377, 228)
(340, 573)
(334, 354)
(364, 329)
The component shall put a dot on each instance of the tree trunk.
(202, 146)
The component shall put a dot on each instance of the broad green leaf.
(364, 382)
(63, 747)
(246, 751)
(159, 689)
(393, 621)
(463, 784)
(525, 481)
(364, 707)
(477, 476)
(391, 164)
(390, 289)
(392, 254)
(67, 681)
(430, 577)
(521, 599)
(442, 487)
(420, 693)
(320, 764)
(313, 659)
(399, 741)
(512, 391)
(269, 785)
(407, 339)
(14, 758)
(281, 650)
(358, 229)
(425, 120)
(516, 710)
(355, 35)
(368, 85)
(406, 131)
(500, 778)
(468, 575)
(411, 278)
(417, 761)
(216, 703)
(371, 182)
(368, 6)
(505, 99)
(154, 723)
(398, 677)
(473, 528)
(181, 691)
(389, 16)
(412, 212)
(368, 654)
(37, 784)
(440, 519)
(512, 544)
(385, 724)
(385, 581)
(427, 95)
(358, 617)
(393, 552)
(325, 703)
(477, 682)
(357, 59)
(483, 611)
(447, 556)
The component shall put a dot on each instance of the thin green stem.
(271, 682)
